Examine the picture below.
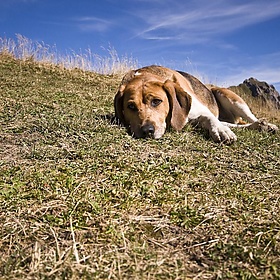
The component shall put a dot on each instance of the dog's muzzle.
(148, 130)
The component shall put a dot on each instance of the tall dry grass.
(261, 108)
(26, 49)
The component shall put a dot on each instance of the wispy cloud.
(23, 1)
(93, 24)
(265, 68)
(201, 19)
(11, 3)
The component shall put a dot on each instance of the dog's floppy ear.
(118, 101)
(118, 104)
(180, 104)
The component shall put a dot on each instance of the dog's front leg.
(218, 131)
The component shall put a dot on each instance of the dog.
(152, 99)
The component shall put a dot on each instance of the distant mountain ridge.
(262, 90)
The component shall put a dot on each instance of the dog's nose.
(148, 130)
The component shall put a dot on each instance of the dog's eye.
(156, 102)
(132, 107)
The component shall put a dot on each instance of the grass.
(81, 199)
(26, 49)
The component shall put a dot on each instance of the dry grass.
(259, 107)
(81, 199)
(26, 49)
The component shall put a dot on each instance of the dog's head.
(148, 107)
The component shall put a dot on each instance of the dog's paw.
(222, 134)
(263, 125)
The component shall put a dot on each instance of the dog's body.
(153, 98)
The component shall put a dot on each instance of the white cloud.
(264, 68)
(268, 74)
(193, 19)
(12, 3)
(23, 1)
(93, 24)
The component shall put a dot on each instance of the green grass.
(81, 199)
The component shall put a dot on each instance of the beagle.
(154, 98)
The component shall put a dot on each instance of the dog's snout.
(148, 130)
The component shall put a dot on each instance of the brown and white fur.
(154, 98)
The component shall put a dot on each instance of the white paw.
(263, 125)
(272, 128)
(222, 134)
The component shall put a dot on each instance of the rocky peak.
(263, 90)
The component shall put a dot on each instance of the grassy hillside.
(81, 199)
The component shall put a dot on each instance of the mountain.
(262, 90)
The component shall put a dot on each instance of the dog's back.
(202, 92)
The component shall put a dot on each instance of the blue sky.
(222, 41)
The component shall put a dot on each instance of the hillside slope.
(81, 199)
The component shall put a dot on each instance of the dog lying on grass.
(154, 98)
